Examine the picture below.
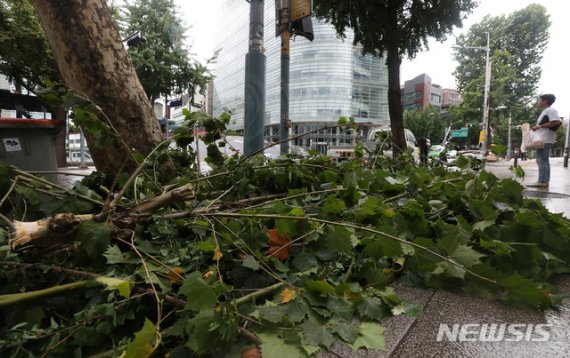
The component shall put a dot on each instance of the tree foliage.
(163, 62)
(282, 255)
(517, 43)
(426, 124)
(25, 56)
(394, 29)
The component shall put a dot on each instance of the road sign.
(300, 9)
(459, 133)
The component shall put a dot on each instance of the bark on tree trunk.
(93, 61)
(395, 100)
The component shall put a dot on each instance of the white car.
(411, 141)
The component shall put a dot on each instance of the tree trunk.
(93, 61)
(395, 100)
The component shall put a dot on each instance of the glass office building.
(329, 78)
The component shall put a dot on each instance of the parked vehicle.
(411, 141)
(75, 156)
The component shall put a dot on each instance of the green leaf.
(200, 296)
(297, 212)
(201, 336)
(451, 270)
(94, 238)
(145, 342)
(316, 334)
(371, 307)
(310, 349)
(305, 261)
(114, 255)
(499, 247)
(250, 262)
(384, 247)
(274, 346)
(296, 311)
(371, 336)
(333, 206)
(523, 291)
(484, 224)
(270, 313)
(466, 256)
(124, 287)
(319, 286)
(338, 239)
(409, 309)
(340, 306)
(348, 332)
(205, 246)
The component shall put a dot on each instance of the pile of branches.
(279, 258)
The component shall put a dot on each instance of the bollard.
(516, 157)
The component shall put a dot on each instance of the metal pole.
(509, 146)
(285, 58)
(486, 100)
(254, 111)
(81, 149)
(566, 145)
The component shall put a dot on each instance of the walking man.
(545, 127)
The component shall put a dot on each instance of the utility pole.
(486, 99)
(254, 123)
(293, 17)
(566, 145)
(285, 122)
(487, 89)
(509, 144)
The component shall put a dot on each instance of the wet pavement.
(556, 197)
(70, 175)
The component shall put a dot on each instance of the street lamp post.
(509, 146)
(486, 91)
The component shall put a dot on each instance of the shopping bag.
(531, 140)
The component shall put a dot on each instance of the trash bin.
(29, 144)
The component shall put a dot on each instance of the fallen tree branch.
(148, 207)
(47, 232)
(355, 227)
(18, 298)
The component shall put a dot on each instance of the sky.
(438, 61)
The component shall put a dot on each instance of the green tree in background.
(163, 63)
(25, 57)
(426, 124)
(517, 44)
(394, 29)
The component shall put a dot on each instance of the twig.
(136, 173)
(298, 196)
(260, 293)
(49, 267)
(158, 302)
(250, 335)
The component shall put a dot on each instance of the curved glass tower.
(329, 78)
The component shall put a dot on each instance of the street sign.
(459, 133)
(300, 9)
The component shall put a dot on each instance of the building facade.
(329, 78)
(451, 97)
(419, 92)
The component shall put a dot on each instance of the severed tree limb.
(47, 232)
(18, 298)
(147, 208)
